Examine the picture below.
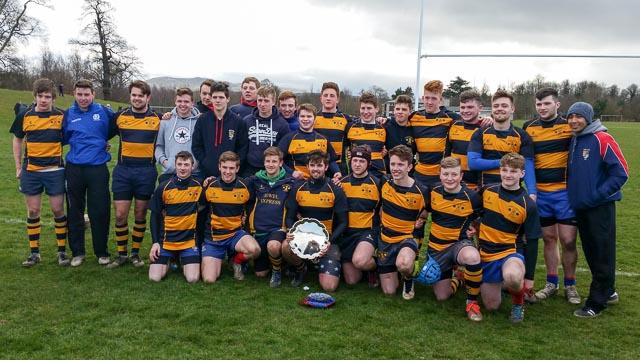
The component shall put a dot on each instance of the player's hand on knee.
(154, 253)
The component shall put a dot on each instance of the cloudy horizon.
(357, 43)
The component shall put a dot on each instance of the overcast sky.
(361, 43)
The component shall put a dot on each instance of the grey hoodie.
(174, 136)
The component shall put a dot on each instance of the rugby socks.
(137, 235)
(454, 285)
(473, 280)
(276, 263)
(61, 233)
(122, 237)
(553, 279)
(517, 298)
(569, 281)
(33, 231)
(239, 258)
(300, 267)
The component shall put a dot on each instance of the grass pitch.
(92, 312)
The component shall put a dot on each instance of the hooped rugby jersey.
(451, 215)
(363, 198)
(430, 133)
(178, 200)
(494, 144)
(42, 136)
(506, 215)
(138, 133)
(459, 137)
(333, 126)
(373, 135)
(227, 204)
(401, 207)
(551, 140)
(297, 145)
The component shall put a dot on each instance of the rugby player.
(430, 128)
(330, 122)
(297, 145)
(270, 187)
(174, 208)
(39, 130)
(320, 199)
(228, 198)
(486, 148)
(453, 208)
(135, 173)
(403, 204)
(360, 239)
(366, 131)
(460, 135)
(551, 136)
(507, 213)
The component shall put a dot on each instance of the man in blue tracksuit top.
(86, 128)
(597, 171)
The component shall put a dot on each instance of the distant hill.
(175, 82)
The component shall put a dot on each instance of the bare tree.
(16, 26)
(114, 64)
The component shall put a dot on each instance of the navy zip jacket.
(213, 136)
(597, 169)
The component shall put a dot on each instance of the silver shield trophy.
(310, 238)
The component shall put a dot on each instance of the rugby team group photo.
(457, 201)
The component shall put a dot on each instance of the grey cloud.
(570, 24)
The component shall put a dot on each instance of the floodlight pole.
(416, 91)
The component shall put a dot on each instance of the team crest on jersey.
(96, 117)
(286, 187)
(232, 133)
(585, 153)
(408, 140)
(182, 135)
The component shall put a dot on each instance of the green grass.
(91, 312)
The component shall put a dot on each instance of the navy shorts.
(262, 263)
(330, 263)
(388, 252)
(350, 243)
(133, 182)
(449, 257)
(219, 248)
(554, 208)
(492, 270)
(187, 256)
(35, 182)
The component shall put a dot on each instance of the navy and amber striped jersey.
(138, 133)
(333, 126)
(506, 215)
(268, 210)
(363, 199)
(401, 206)
(459, 137)
(493, 144)
(551, 140)
(451, 215)
(175, 201)
(373, 135)
(430, 133)
(319, 199)
(296, 146)
(227, 204)
(42, 136)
